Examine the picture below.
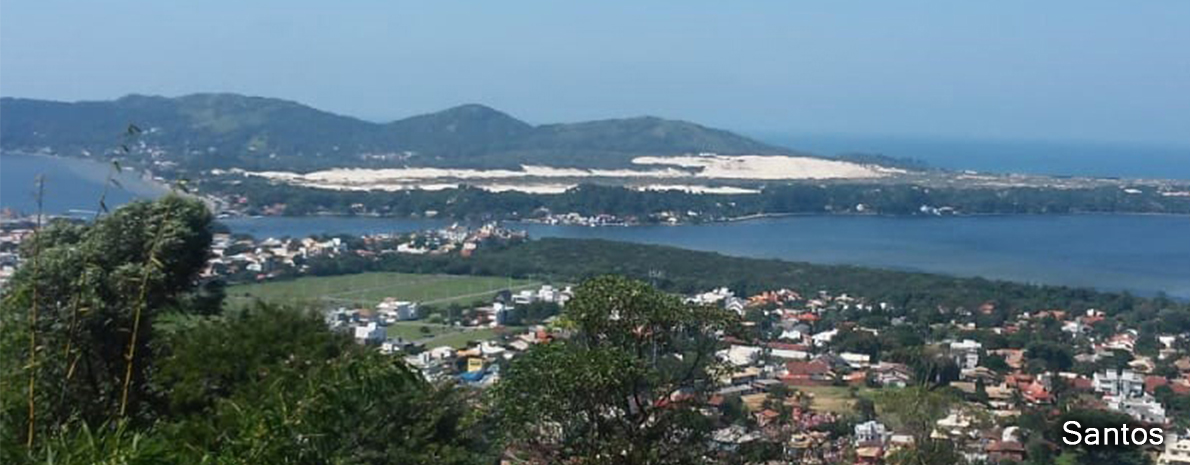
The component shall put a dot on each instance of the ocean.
(1096, 159)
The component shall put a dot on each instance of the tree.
(217, 357)
(1054, 356)
(916, 410)
(359, 408)
(625, 387)
(96, 294)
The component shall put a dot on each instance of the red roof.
(1081, 383)
(787, 346)
(1153, 382)
(816, 367)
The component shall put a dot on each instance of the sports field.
(369, 289)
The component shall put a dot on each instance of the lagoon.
(1146, 254)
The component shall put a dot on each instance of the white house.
(1144, 409)
(1177, 451)
(824, 337)
(525, 297)
(965, 353)
(370, 333)
(871, 433)
(740, 355)
(1121, 383)
(398, 309)
(856, 360)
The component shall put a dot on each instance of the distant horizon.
(1092, 70)
(770, 136)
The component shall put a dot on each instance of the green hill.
(203, 131)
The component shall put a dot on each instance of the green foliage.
(261, 133)
(143, 256)
(1050, 355)
(794, 198)
(241, 351)
(108, 444)
(1095, 455)
(265, 385)
(360, 408)
(625, 388)
(916, 410)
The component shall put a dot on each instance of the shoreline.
(734, 219)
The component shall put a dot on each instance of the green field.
(369, 289)
(436, 335)
(835, 399)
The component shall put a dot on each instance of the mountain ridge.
(226, 130)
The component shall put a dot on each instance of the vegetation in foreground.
(114, 355)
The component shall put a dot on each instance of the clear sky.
(1084, 70)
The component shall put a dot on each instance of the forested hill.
(229, 130)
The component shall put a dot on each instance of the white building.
(1144, 409)
(1177, 451)
(871, 433)
(399, 310)
(525, 297)
(965, 353)
(713, 297)
(1122, 383)
(740, 355)
(370, 333)
(824, 337)
(856, 360)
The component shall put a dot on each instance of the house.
(1177, 451)
(730, 438)
(1015, 358)
(1144, 409)
(1005, 451)
(789, 351)
(1037, 393)
(525, 297)
(965, 353)
(370, 333)
(871, 433)
(766, 417)
(1122, 383)
(824, 338)
(855, 360)
(399, 310)
(740, 355)
(892, 374)
(816, 372)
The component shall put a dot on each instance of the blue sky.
(1075, 70)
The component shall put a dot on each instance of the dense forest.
(646, 206)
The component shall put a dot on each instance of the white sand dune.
(527, 179)
(767, 167)
(699, 189)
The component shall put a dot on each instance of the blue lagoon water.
(1145, 254)
(71, 185)
(1142, 253)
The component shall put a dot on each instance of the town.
(806, 376)
(811, 369)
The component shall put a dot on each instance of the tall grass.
(34, 262)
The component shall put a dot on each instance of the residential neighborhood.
(811, 368)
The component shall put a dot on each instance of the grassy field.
(412, 330)
(369, 289)
(835, 399)
(442, 335)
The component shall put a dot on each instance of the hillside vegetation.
(203, 131)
